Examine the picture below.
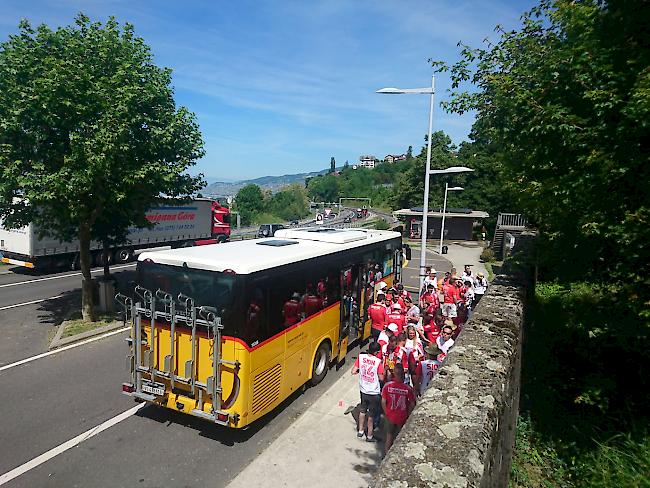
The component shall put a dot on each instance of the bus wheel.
(124, 255)
(321, 363)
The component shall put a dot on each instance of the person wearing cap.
(480, 287)
(390, 330)
(377, 313)
(430, 279)
(444, 340)
(427, 368)
(396, 317)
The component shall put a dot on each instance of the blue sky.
(279, 87)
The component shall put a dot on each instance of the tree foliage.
(566, 99)
(248, 202)
(89, 135)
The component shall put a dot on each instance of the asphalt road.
(51, 400)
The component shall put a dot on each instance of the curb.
(60, 342)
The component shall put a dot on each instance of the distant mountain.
(273, 183)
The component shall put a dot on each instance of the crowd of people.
(411, 337)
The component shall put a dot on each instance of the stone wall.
(461, 433)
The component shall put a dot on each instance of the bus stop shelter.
(459, 222)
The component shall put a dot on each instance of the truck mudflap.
(17, 262)
(165, 386)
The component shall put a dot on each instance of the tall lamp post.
(444, 210)
(457, 169)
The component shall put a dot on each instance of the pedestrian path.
(320, 449)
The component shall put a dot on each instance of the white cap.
(382, 285)
(433, 270)
(397, 306)
(393, 328)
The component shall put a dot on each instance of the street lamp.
(444, 209)
(428, 171)
(421, 91)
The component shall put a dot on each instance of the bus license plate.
(154, 388)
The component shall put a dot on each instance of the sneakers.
(360, 434)
(371, 439)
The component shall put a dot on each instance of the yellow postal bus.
(227, 332)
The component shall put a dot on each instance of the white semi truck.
(203, 221)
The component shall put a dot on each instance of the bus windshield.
(207, 288)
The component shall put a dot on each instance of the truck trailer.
(200, 222)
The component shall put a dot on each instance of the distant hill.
(273, 183)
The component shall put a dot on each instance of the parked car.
(347, 220)
(294, 222)
(268, 230)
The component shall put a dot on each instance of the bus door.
(366, 289)
(350, 297)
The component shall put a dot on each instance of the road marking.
(29, 303)
(37, 461)
(63, 276)
(65, 348)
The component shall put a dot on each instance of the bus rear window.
(207, 288)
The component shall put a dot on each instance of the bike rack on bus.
(182, 310)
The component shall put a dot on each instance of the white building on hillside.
(367, 161)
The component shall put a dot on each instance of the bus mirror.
(407, 250)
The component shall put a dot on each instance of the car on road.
(294, 222)
(347, 220)
(268, 230)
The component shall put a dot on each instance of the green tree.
(289, 203)
(249, 201)
(323, 188)
(90, 135)
(566, 98)
(409, 188)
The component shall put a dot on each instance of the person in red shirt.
(397, 402)
(395, 317)
(430, 297)
(395, 353)
(378, 316)
(292, 310)
(452, 297)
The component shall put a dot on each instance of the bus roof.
(287, 246)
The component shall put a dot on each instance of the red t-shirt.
(291, 312)
(399, 397)
(396, 318)
(431, 298)
(452, 294)
(313, 304)
(377, 313)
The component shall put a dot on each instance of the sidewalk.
(320, 449)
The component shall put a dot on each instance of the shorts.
(449, 310)
(370, 403)
(393, 429)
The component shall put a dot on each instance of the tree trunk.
(87, 310)
(105, 251)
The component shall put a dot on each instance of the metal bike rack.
(181, 310)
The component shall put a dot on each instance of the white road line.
(65, 348)
(63, 276)
(29, 303)
(37, 461)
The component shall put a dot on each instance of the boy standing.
(397, 401)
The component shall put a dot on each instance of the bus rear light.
(222, 417)
(128, 387)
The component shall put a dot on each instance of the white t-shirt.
(443, 345)
(429, 370)
(369, 369)
(480, 284)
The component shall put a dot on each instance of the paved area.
(321, 449)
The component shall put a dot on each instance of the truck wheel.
(123, 255)
(188, 244)
(221, 239)
(321, 363)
